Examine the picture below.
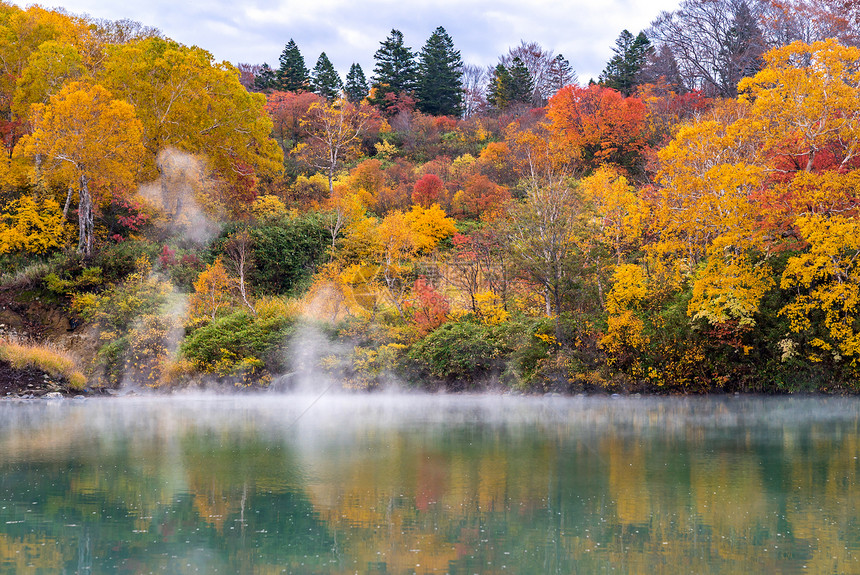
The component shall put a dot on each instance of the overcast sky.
(255, 31)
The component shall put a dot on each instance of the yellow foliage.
(385, 150)
(52, 361)
(622, 214)
(268, 207)
(212, 292)
(490, 308)
(429, 226)
(827, 278)
(729, 287)
(625, 329)
(31, 227)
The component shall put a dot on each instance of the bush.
(460, 353)
(236, 343)
(287, 253)
(118, 260)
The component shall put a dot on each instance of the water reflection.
(412, 484)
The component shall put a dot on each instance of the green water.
(412, 484)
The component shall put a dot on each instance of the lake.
(398, 484)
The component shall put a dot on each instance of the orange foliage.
(607, 127)
(480, 195)
(286, 109)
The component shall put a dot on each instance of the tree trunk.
(85, 218)
(68, 201)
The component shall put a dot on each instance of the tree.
(785, 21)
(86, 136)
(212, 293)
(292, 75)
(704, 38)
(662, 68)
(394, 74)
(474, 83)
(325, 79)
(35, 228)
(601, 126)
(561, 74)
(265, 79)
(440, 89)
(356, 84)
(744, 47)
(622, 71)
(287, 110)
(540, 63)
(239, 254)
(187, 102)
(427, 190)
(48, 68)
(334, 131)
(542, 239)
(510, 86)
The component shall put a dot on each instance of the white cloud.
(350, 31)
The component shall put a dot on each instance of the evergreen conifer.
(292, 76)
(394, 73)
(325, 79)
(356, 84)
(440, 86)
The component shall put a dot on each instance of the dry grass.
(53, 361)
(26, 277)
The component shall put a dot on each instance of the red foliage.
(480, 194)
(427, 190)
(285, 109)
(167, 257)
(430, 308)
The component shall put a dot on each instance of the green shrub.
(287, 253)
(233, 343)
(460, 353)
(118, 260)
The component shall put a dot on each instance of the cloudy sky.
(255, 31)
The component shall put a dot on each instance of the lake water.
(375, 484)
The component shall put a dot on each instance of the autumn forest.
(685, 223)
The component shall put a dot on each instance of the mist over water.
(396, 482)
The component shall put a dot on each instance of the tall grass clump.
(52, 361)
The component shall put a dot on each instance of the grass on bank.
(52, 361)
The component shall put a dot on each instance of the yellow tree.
(187, 102)
(805, 117)
(212, 293)
(32, 227)
(48, 69)
(86, 137)
(333, 131)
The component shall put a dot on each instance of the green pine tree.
(292, 76)
(356, 84)
(522, 85)
(510, 86)
(622, 70)
(440, 87)
(265, 78)
(394, 73)
(497, 95)
(325, 80)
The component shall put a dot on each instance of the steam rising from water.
(178, 193)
